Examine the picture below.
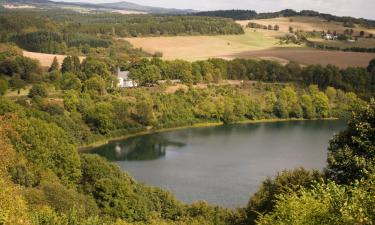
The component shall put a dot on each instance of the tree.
(321, 104)
(100, 117)
(145, 114)
(309, 111)
(371, 66)
(54, 66)
(148, 74)
(38, 90)
(47, 146)
(3, 86)
(70, 64)
(351, 152)
(70, 81)
(96, 84)
(325, 203)
(264, 200)
(71, 100)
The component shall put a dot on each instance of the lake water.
(222, 165)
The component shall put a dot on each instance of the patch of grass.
(203, 47)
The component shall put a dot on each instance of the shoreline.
(97, 144)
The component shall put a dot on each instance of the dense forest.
(67, 32)
(250, 14)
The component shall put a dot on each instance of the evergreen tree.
(54, 66)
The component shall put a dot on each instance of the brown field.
(203, 47)
(305, 24)
(310, 56)
(46, 59)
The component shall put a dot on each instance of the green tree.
(371, 66)
(321, 104)
(149, 74)
(264, 200)
(309, 111)
(145, 114)
(351, 153)
(70, 81)
(3, 86)
(70, 64)
(71, 100)
(54, 66)
(325, 203)
(100, 117)
(38, 90)
(96, 84)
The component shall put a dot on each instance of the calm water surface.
(222, 165)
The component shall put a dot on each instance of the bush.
(38, 90)
(3, 86)
(264, 200)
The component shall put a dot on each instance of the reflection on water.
(147, 147)
(222, 165)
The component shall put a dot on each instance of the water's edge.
(86, 148)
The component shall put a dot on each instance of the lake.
(222, 165)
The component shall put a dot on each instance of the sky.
(355, 8)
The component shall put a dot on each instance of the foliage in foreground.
(326, 203)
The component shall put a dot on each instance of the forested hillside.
(44, 179)
(68, 32)
(250, 14)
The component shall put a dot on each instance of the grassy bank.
(197, 125)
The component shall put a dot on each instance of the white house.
(124, 81)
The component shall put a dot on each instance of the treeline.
(250, 14)
(115, 24)
(53, 42)
(149, 25)
(354, 79)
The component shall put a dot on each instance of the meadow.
(256, 44)
(202, 47)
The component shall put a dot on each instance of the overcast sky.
(356, 8)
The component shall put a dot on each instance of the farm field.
(203, 47)
(361, 43)
(307, 56)
(45, 59)
(262, 44)
(305, 24)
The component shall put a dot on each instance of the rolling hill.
(128, 6)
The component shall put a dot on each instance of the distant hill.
(104, 6)
(149, 9)
(250, 14)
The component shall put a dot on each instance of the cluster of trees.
(358, 80)
(53, 42)
(68, 32)
(249, 14)
(260, 26)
